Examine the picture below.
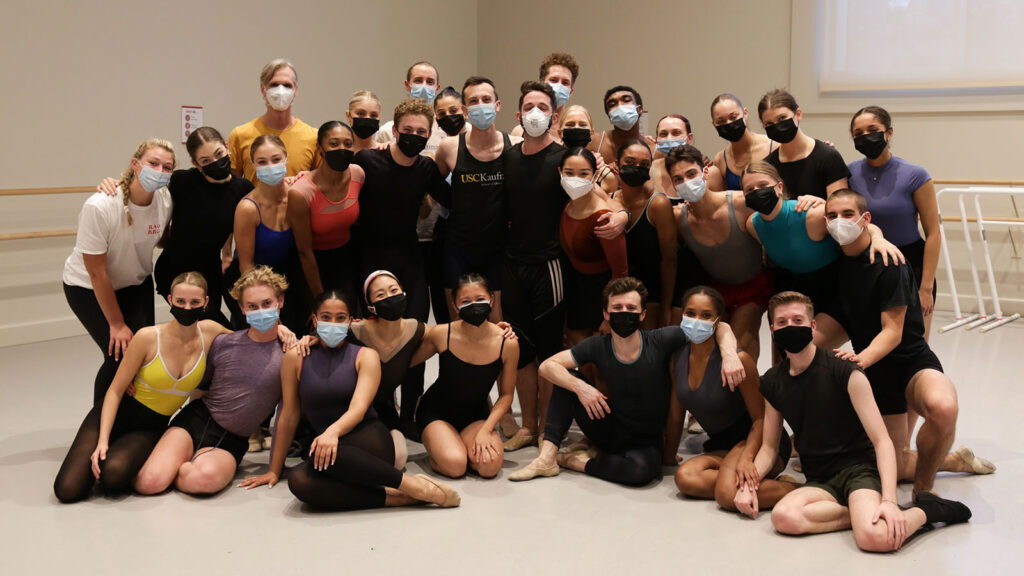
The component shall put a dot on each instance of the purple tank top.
(327, 384)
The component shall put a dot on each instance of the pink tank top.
(330, 222)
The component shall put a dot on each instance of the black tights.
(127, 453)
(358, 476)
(623, 459)
(136, 304)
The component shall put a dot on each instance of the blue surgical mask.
(692, 190)
(481, 116)
(272, 174)
(331, 333)
(423, 92)
(697, 330)
(665, 146)
(152, 179)
(561, 93)
(624, 117)
(263, 319)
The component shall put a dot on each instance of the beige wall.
(88, 82)
(85, 82)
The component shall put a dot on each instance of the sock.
(941, 510)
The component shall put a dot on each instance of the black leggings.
(356, 481)
(624, 459)
(136, 304)
(135, 434)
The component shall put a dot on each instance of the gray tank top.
(715, 406)
(735, 261)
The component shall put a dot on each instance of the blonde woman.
(363, 116)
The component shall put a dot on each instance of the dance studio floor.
(571, 524)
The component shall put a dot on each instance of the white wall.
(85, 82)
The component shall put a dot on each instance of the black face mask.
(635, 175)
(782, 131)
(339, 159)
(452, 124)
(733, 131)
(793, 339)
(219, 169)
(365, 127)
(411, 144)
(187, 316)
(624, 323)
(475, 313)
(391, 308)
(871, 144)
(762, 200)
(576, 137)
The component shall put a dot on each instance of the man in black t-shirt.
(886, 329)
(627, 425)
(848, 458)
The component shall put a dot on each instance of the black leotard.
(459, 396)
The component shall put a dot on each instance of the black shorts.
(195, 419)
(727, 439)
(457, 261)
(856, 476)
(914, 253)
(821, 286)
(531, 301)
(583, 310)
(890, 376)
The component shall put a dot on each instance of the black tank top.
(479, 210)
(643, 252)
(462, 388)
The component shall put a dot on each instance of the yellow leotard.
(161, 393)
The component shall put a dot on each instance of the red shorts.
(757, 291)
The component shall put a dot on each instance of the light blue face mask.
(264, 319)
(423, 92)
(152, 179)
(665, 146)
(692, 190)
(331, 333)
(561, 93)
(481, 116)
(624, 117)
(697, 330)
(272, 174)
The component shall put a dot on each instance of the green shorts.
(856, 476)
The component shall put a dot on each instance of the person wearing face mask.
(204, 199)
(279, 82)
(672, 131)
(560, 71)
(350, 465)
(533, 280)
(710, 224)
(886, 329)
(396, 339)
(421, 83)
(107, 278)
(651, 236)
(457, 427)
(576, 130)
(208, 438)
(363, 115)
(477, 224)
(322, 207)
(810, 167)
(163, 364)
(849, 461)
(898, 194)
(624, 108)
(729, 118)
(798, 244)
(732, 418)
(625, 425)
(595, 261)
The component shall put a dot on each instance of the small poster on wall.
(191, 118)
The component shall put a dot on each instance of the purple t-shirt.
(889, 190)
(244, 381)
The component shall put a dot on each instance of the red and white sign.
(191, 118)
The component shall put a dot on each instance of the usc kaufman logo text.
(495, 178)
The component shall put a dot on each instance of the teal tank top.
(786, 242)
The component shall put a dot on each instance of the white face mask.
(692, 190)
(280, 97)
(576, 187)
(536, 122)
(845, 231)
